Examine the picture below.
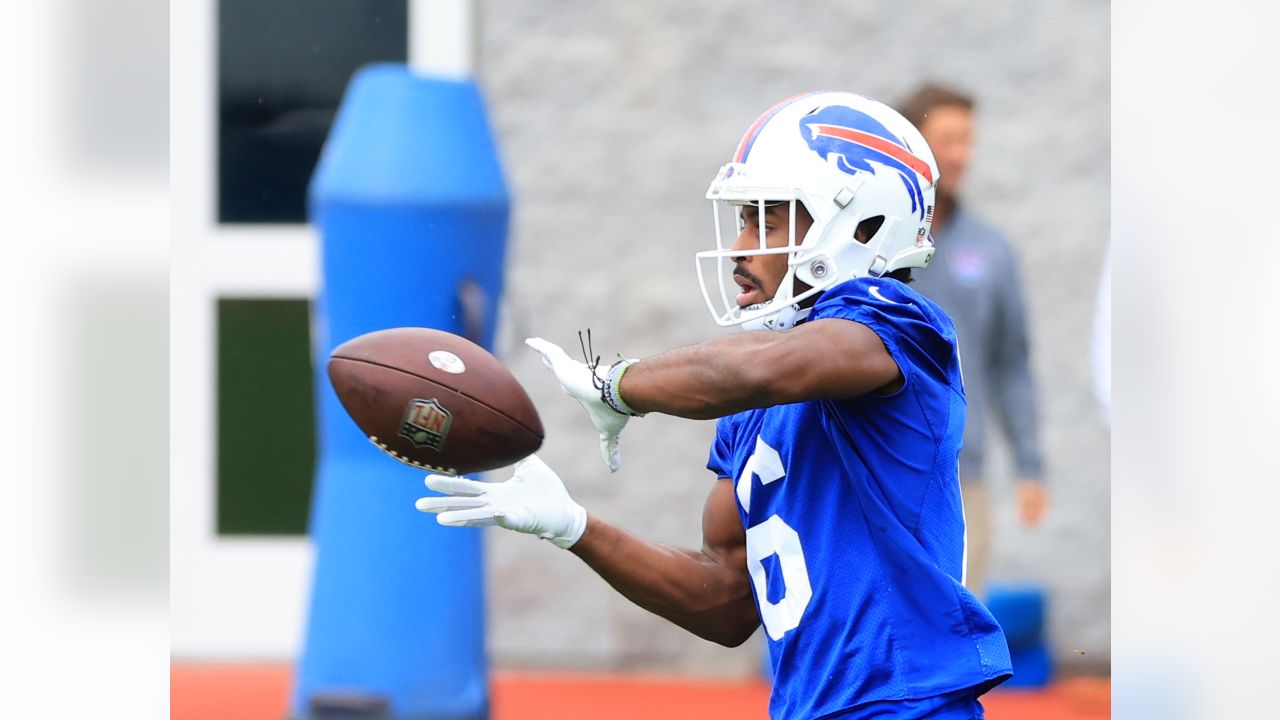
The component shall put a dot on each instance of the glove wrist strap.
(609, 392)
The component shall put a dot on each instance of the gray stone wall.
(612, 119)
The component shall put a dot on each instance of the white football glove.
(579, 382)
(533, 501)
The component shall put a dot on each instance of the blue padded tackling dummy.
(412, 207)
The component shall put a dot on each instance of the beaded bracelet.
(609, 391)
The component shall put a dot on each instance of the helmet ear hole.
(867, 229)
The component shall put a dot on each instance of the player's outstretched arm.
(823, 359)
(707, 591)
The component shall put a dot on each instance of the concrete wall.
(613, 118)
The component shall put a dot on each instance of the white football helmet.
(847, 158)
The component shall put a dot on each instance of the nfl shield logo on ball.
(426, 423)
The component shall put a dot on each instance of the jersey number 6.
(774, 536)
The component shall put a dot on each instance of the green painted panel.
(266, 417)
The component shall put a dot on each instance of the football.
(435, 400)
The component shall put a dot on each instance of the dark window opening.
(282, 68)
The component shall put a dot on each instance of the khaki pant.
(977, 528)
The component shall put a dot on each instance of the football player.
(836, 520)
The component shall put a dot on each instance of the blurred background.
(610, 121)
(92, 215)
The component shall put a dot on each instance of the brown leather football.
(434, 400)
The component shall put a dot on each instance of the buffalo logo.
(426, 423)
(856, 139)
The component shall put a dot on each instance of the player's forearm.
(690, 588)
(824, 359)
(708, 380)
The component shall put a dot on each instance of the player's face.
(949, 131)
(758, 276)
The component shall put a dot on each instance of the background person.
(975, 277)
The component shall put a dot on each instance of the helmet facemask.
(790, 301)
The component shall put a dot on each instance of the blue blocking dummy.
(412, 210)
(1020, 610)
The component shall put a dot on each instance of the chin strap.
(784, 318)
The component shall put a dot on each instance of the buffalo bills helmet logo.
(855, 139)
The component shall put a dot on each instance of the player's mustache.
(739, 271)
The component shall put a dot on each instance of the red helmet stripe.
(876, 142)
(744, 146)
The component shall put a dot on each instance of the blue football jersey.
(854, 525)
